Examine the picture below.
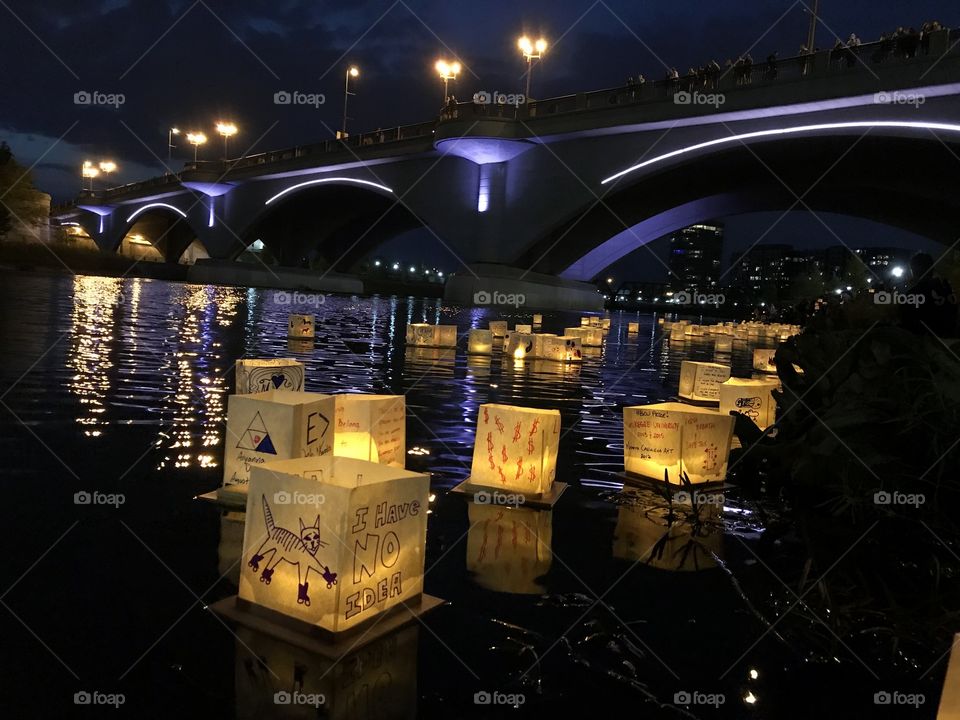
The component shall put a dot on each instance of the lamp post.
(812, 31)
(196, 139)
(531, 51)
(352, 72)
(170, 133)
(89, 171)
(448, 72)
(227, 129)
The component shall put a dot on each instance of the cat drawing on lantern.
(300, 550)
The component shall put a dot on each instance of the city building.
(695, 254)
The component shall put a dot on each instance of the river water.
(120, 386)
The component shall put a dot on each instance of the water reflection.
(509, 548)
(275, 679)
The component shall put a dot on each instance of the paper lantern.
(589, 336)
(633, 328)
(677, 332)
(371, 427)
(538, 319)
(565, 348)
(675, 437)
(276, 679)
(753, 398)
(515, 449)
(700, 381)
(509, 548)
(584, 321)
(526, 329)
(424, 335)
(332, 541)
(605, 323)
(724, 344)
(763, 360)
(480, 342)
(255, 376)
(274, 425)
(301, 326)
(518, 346)
(498, 328)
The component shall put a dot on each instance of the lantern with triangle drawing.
(255, 375)
(274, 425)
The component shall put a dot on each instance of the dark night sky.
(189, 63)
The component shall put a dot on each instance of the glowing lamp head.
(541, 45)
(447, 70)
(89, 171)
(897, 271)
(354, 71)
(196, 138)
(525, 45)
(108, 166)
(226, 128)
(175, 131)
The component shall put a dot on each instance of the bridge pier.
(484, 284)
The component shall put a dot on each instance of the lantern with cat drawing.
(333, 541)
(274, 425)
(255, 376)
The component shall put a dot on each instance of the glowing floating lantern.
(498, 328)
(515, 449)
(633, 328)
(763, 360)
(519, 345)
(508, 548)
(564, 348)
(723, 344)
(605, 323)
(274, 425)
(584, 322)
(674, 437)
(753, 398)
(480, 342)
(700, 381)
(371, 427)
(589, 336)
(255, 376)
(538, 319)
(677, 332)
(301, 327)
(333, 541)
(424, 335)
(526, 329)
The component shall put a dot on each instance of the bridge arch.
(332, 222)
(903, 175)
(158, 232)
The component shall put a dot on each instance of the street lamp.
(448, 72)
(897, 272)
(352, 72)
(90, 171)
(170, 133)
(196, 139)
(227, 129)
(531, 51)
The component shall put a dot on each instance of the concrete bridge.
(539, 199)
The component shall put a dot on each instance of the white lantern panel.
(515, 448)
(498, 328)
(480, 342)
(753, 398)
(700, 381)
(254, 375)
(371, 427)
(763, 360)
(301, 326)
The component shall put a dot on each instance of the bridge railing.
(824, 63)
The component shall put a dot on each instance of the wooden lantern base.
(316, 640)
(645, 482)
(541, 501)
